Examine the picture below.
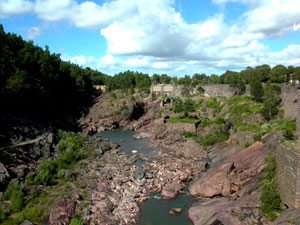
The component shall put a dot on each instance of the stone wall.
(288, 95)
(221, 90)
(288, 174)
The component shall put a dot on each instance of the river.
(154, 211)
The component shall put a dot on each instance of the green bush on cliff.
(70, 140)
(12, 187)
(17, 201)
(213, 138)
(46, 172)
(205, 122)
(270, 197)
(2, 214)
(189, 134)
(72, 148)
(179, 119)
(76, 221)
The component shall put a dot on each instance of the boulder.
(69, 174)
(232, 169)
(4, 175)
(63, 212)
(26, 222)
(225, 211)
(167, 194)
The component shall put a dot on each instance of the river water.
(154, 211)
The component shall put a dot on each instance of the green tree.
(271, 100)
(178, 108)
(263, 72)
(256, 90)
(200, 90)
(214, 79)
(185, 91)
(165, 79)
(279, 74)
(188, 106)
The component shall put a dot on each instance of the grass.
(179, 119)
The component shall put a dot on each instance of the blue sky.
(160, 36)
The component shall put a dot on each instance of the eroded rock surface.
(232, 171)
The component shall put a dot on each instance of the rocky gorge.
(225, 178)
(126, 168)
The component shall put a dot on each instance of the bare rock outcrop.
(226, 211)
(63, 212)
(234, 169)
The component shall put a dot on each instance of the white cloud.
(34, 32)
(86, 14)
(273, 18)
(152, 35)
(160, 65)
(14, 7)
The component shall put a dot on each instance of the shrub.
(270, 197)
(17, 201)
(2, 214)
(257, 137)
(289, 135)
(247, 145)
(16, 186)
(205, 122)
(70, 140)
(189, 134)
(46, 172)
(76, 221)
(182, 120)
(219, 120)
(211, 139)
(241, 217)
(61, 173)
(212, 104)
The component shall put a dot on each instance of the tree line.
(36, 82)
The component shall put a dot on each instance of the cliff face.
(289, 101)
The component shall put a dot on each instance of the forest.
(35, 82)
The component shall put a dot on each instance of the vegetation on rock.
(270, 197)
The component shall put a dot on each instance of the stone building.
(167, 90)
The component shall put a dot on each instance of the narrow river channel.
(154, 211)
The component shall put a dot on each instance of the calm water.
(154, 211)
(128, 143)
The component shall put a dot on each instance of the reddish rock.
(288, 216)
(167, 194)
(224, 210)
(235, 170)
(63, 212)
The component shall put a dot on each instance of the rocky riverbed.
(122, 185)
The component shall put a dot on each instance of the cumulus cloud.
(86, 14)
(34, 32)
(152, 35)
(14, 7)
(273, 18)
